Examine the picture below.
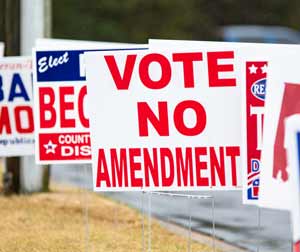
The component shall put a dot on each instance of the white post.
(35, 23)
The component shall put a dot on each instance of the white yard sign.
(292, 143)
(1, 49)
(282, 101)
(254, 67)
(165, 120)
(61, 122)
(16, 107)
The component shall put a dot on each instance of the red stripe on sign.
(65, 146)
(253, 175)
(255, 95)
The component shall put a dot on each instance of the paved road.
(235, 223)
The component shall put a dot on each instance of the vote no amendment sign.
(164, 120)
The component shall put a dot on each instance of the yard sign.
(282, 101)
(1, 49)
(16, 107)
(254, 67)
(292, 140)
(61, 122)
(165, 120)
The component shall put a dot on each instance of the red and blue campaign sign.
(61, 122)
(16, 107)
(256, 73)
(62, 126)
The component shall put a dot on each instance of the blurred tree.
(131, 20)
(10, 33)
(137, 20)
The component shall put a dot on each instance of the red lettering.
(166, 154)
(165, 71)
(122, 83)
(65, 106)
(135, 166)
(214, 68)
(47, 107)
(82, 94)
(188, 68)
(215, 165)
(4, 121)
(233, 152)
(200, 165)
(102, 171)
(150, 167)
(184, 166)
(179, 118)
(160, 124)
(29, 115)
(119, 168)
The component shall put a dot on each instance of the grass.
(56, 222)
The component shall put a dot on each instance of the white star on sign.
(50, 147)
(253, 69)
(264, 68)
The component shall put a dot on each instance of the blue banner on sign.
(63, 65)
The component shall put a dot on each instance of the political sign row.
(170, 115)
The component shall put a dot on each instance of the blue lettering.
(17, 83)
(255, 165)
(1, 90)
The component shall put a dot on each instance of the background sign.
(16, 107)
(292, 140)
(165, 120)
(1, 49)
(62, 124)
(282, 101)
(253, 81)
(253, 74)
(254, 113)
(256, 81)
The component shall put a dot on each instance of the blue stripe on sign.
(51, 66)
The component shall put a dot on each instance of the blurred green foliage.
(138, 20)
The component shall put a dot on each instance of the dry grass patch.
(55, 222)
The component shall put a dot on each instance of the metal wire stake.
(169, 222)
(149, 222)
(259, 227)
(213, 223)
(143, 222)
(190, 224)
(86, 212)
(116, 223)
